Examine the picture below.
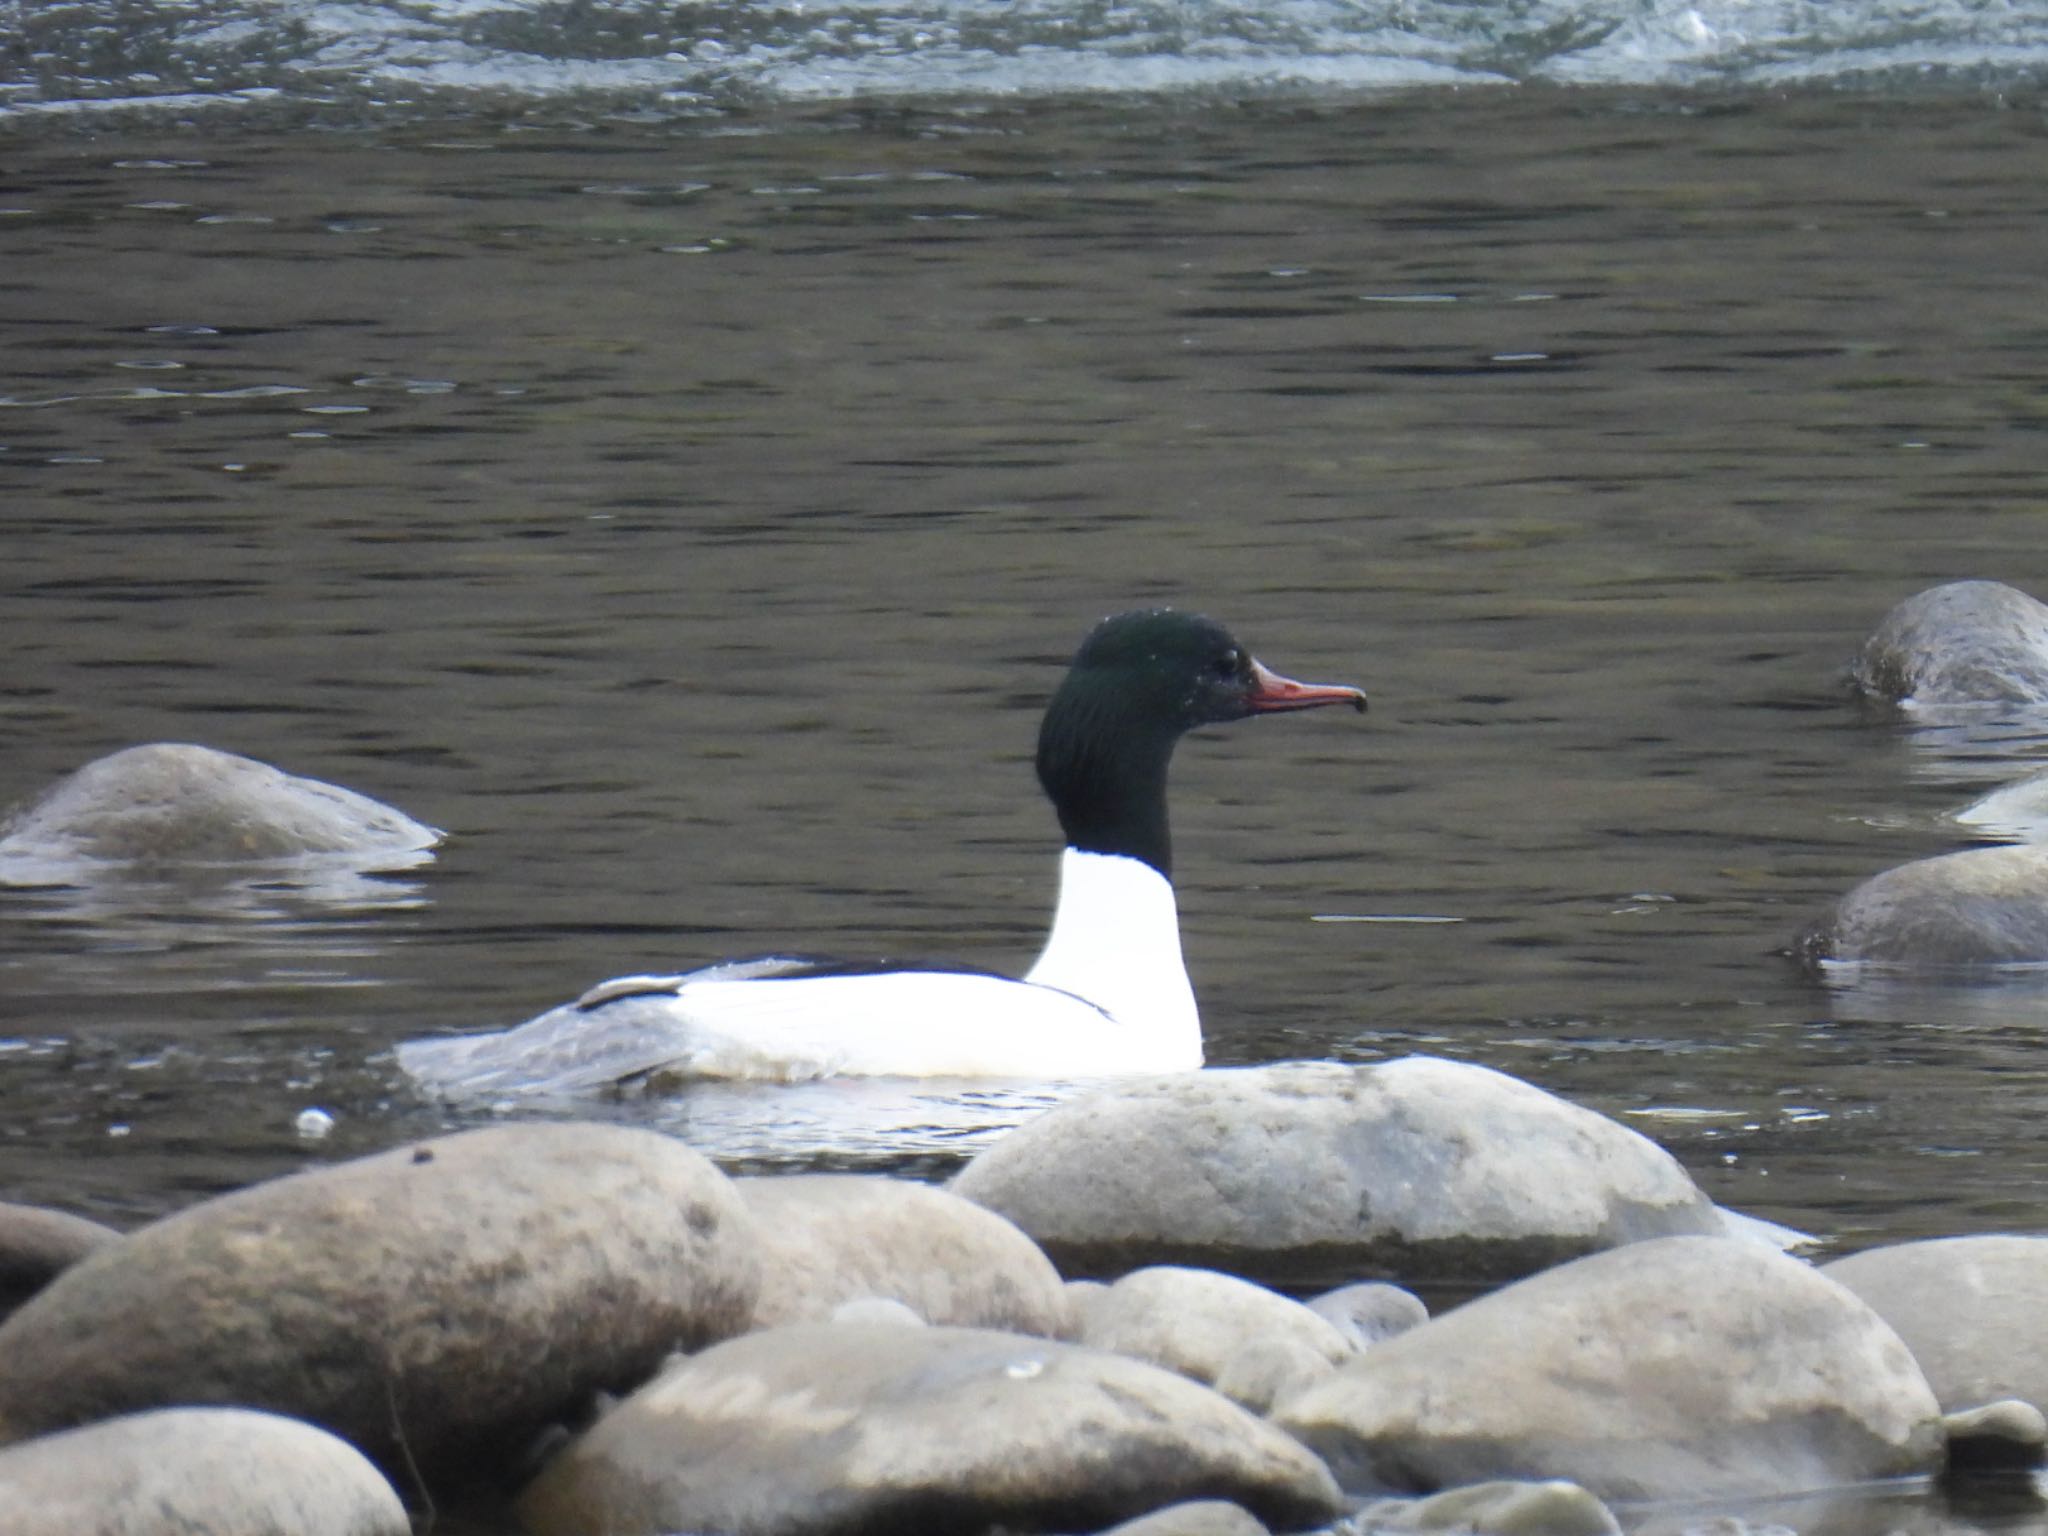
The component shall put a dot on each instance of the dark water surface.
(693, 517)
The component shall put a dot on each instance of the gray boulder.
(437, 1305)
(823, 1429)
(1980, 906)
(207, 1471)
(1202, 1323)
(829, 1238)
(1313, 1173)
(174, 803)
(1964, 642)
(1973, 1310)
(37, 1245)
(1690, 1367)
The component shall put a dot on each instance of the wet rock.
(437, 1305)
(1312, 1173)
(819, 1429)
(1981, 906)
(37, 1245)
(1973, 1310)
(208, 1471)
(1199, 1323)
(1960, 643)
(1369, 1311)
(2006, 1436)
(1689, 1367)
(1201, 1517)
(1502, 1508)
(829, 1238)
(174, 803)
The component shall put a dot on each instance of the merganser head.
(1139, 682)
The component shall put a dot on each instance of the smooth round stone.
(221, 1471)
(1504, 1508)
(1200, 1323)
(1964, 642)
(1973, 1310)
(1980, 906)
(2016, 812)
(1260, 1372)
(175, 803)
(1201, 1517)
(1369, 1311)
(1687, 1367)
(832, 1429)
(876, 1309)
(1312, 1173)
(829, 1238)
(2006, 1436)
(37, 1245)
(437, 1305)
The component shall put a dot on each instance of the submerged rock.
(828, 1239)
(202, 1470)
(437, 1305)
(1313, 1173)
(37, 1245)
(1964, 642)
(1690, 1367)
(1977, 907)
(821, 1429)
(174, 804)
(1973, 1310)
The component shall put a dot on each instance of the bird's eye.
(1227, 663)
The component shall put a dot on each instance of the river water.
(685, 487)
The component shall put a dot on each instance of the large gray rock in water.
(1973, 1310)
(1981, 906)
(171, 803)
(828, 1238)
(1313, 1173)
(1686, 1368)
(37, 1245)
(204, 1471)
(1964, 642)
(833, 1429)
(437, 1305)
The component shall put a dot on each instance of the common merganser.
(1109, 994)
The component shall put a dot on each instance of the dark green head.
(1139, 681)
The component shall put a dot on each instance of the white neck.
(1115, 941)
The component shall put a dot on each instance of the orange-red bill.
(1271, 693)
